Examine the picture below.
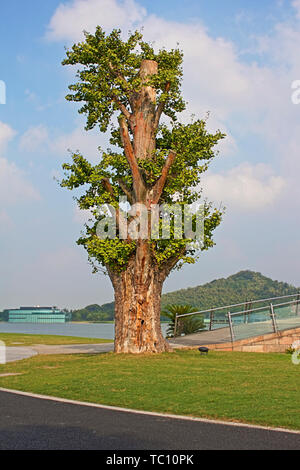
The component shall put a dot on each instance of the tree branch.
(121, 219)
(126, 190)
(159, 186)
(108, 187)
(170, 263)
(121, 106)
(116, 73)
(161, 107)
(138, 183)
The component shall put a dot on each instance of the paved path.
(35, 423)
(19, 353)
(220, 335)
(74, 348)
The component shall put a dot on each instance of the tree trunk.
(144, 115)
(138, 288)
(138, 306)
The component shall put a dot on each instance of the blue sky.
(240, 60)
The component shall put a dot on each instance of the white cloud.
(80, 140)
(6, 134)
(40, 138)
(296, 5)
(71, 18)
(34, 138)
(213, 75)
(246, 98)
(14, 187)
(244, 187)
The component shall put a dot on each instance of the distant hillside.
(240, 287)
(94, 312)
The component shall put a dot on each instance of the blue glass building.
(38, 315)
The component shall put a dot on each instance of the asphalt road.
(34, 423)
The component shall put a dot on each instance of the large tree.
(126, 87)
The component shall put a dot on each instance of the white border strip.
(148, 413)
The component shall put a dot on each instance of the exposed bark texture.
(144, 113)
(138, 288)
(138, 305)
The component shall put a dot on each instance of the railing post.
(245, 312)
(273, 317)
(297, 305)
(211, 319)
(249, 311)
(230, 326)
(175, 326)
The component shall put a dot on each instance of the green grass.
(16, 339)
(242, 387)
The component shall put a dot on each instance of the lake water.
(84, 330)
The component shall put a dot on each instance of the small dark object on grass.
(203, 350)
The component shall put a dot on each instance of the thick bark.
(138, 306)
(145, 113)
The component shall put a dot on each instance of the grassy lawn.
(243, 387)
(16, 339)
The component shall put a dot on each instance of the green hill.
(94, 312)
(240, 287)
(245, 285)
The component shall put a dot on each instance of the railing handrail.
(237, 305)
(265, 307)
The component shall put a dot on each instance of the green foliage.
(100, 56)
(290, 350)
(186, 325)
(93, 313)
(108, 79)
(195, 147)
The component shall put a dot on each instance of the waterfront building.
(38, 315)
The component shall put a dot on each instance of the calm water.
(84, 330)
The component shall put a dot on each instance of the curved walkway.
(220, 335)
(14, 353)
(18, 353)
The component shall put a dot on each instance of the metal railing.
(271, 317)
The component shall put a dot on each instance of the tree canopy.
(109, 83)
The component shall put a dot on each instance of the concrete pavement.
(16, 353)
(220, 335)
